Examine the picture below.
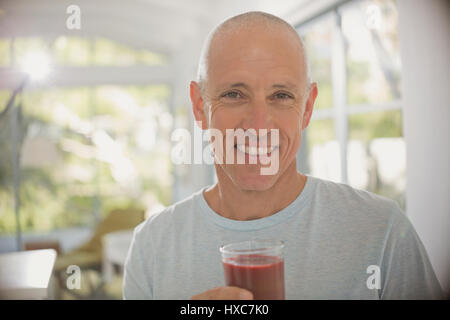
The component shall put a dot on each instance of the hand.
(224, 293)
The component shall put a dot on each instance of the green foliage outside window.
(63, 182)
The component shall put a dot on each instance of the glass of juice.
(255, 265)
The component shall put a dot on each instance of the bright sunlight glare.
(36, 64)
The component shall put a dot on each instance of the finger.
(224, 293)
(235, 293)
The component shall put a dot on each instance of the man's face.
(256, 80)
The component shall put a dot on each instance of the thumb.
(245, 294)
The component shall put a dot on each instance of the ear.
(309, 105)
(198, 105)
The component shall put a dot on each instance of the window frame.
(340, 110)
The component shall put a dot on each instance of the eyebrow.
(288, 85)
(284, 86)
(239, 84)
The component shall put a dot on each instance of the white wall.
(424, 29)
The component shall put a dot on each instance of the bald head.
(254, 21)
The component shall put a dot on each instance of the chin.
(254, 182)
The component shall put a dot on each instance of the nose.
(258, 115)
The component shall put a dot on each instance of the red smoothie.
(260, 274)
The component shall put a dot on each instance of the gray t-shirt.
(335, 239)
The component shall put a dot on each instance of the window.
(84, 150)
(355, 135)
(107, 52)
(373, 61)
(79, 51)
(72, 51)
(317, 39)
(5, 51)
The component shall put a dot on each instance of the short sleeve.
(406, 270)
(136, 281)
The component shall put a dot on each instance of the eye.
(232, 95)
(282, 96)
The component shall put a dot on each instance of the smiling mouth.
(254, 151)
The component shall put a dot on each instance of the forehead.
(258, 53)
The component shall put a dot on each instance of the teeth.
(241, 148)
(253, 151)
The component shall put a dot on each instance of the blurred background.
(91, 91)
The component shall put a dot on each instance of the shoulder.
(355, 203)
(178, 213)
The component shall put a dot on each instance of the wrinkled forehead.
(255, 49)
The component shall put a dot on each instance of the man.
(253, 74)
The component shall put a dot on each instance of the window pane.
(54, 190)
(26, 46)
(5, 49)
(107, 52)
(377, 155)
(151, 58)
(86, 151)
(373, 60)
(49, 105)
(368, 126)
(323, 150)
(71, 51)
(134, 127)
(7, 217)
(79, 51)
(317, 41)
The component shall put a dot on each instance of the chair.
(88, 257)
(42, 244)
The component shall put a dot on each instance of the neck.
(231, 202)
